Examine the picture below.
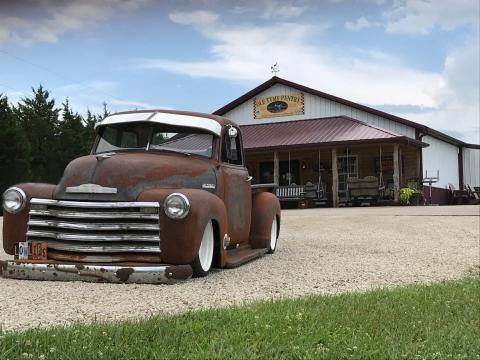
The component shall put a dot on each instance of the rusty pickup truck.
(163, 196)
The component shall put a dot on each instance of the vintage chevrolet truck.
(164, 195)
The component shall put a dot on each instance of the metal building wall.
(471, 166)
(315, 107)
(441, 156)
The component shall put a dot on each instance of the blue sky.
(418, 59)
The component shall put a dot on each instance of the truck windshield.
(140, 136)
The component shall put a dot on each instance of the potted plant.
(409, 196)
(405, 195)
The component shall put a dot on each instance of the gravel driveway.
(321, 251)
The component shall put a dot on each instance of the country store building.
(306, 141)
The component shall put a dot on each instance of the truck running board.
(241, 255)
(161, 274)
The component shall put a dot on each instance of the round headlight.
(176, 206)
(14, 200)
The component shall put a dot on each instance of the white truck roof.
(166, 118)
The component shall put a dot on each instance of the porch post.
(396, 174)
(276, 170)
(334, 178)
(419, 169)
(400, 168)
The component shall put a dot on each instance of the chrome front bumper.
(163, 274)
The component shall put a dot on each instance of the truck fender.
(265, 208)
(15, 225)
(180, 239)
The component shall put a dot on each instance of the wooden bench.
(363, 191)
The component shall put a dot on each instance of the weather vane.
(275, 68)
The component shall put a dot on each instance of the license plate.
(31, 250)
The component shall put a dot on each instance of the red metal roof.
(325, 131)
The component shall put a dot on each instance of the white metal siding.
(315, 107)
(471, 166)
(443, 157)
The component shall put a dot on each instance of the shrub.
(405, 195)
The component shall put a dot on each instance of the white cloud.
(241, 9)
(57, 18)
(246, 53)
(136, 104)
(13, 96)
(359, 24)
(448, 99)
(91, 95)
(378, 2)
(274, 9)
(457, 99)
(422, 16)
(198, 18)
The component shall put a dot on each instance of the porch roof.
(341, 130)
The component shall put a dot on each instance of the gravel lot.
(321, 251)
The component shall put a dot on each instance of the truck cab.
(164, 195)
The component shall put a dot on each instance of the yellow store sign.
(278, 105)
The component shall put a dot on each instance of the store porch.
(352, 175)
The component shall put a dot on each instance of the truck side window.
(231, 150)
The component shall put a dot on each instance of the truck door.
(238, 192)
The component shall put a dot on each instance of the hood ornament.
(91, 189)
(104, 155)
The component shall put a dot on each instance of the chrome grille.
(95, 227)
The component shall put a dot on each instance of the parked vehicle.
(164, 195)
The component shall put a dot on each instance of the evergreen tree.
(105, 112)
(38, 117)
(14, 157)
(70, 136)
(89, 132)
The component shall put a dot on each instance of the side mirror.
(232, 133)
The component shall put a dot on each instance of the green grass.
(440, 321)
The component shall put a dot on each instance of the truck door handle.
(248, 178)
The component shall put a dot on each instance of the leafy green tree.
(70, 136)
(14, 157)
(38, 117)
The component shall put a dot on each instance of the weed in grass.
(474, 271)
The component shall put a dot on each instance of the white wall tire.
(203, 262)
(273, 236)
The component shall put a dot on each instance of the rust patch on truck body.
(98, 258)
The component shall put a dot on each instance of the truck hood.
(123, 176)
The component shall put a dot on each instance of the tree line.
(38, 139)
